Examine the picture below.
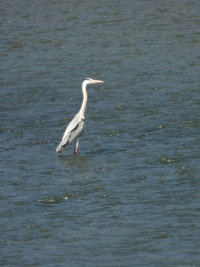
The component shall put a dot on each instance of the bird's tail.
(59, 148)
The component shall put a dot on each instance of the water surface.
(131, 197)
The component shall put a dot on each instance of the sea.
(131, 197)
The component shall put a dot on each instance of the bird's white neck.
(84, 103)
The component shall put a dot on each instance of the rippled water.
(131, 197)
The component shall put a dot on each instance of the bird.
(75, 128)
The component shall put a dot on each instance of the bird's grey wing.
(72, 125)
(77, 131)
(74, 134)
(74, 131)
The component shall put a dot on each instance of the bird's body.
(76, 126)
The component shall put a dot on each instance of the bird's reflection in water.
(78, 162)
(85, 166)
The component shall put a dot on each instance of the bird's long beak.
(97, 81)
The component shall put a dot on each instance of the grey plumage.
(73, 135)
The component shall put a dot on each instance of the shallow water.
(131, 197)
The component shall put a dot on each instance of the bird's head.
(89, 80)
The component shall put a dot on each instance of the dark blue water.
(131, 197)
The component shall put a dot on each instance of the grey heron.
(75, 128)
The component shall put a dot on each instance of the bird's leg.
(76, 148)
